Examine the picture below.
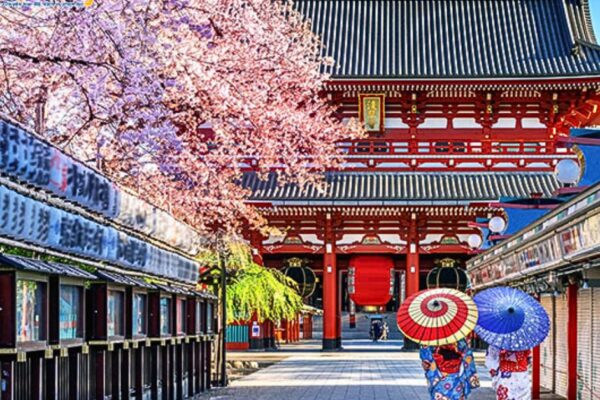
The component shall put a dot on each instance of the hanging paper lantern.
(303, 275)
(371, 280)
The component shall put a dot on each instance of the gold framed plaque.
(371, 111)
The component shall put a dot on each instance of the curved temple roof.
(375, 188)
(454, 39)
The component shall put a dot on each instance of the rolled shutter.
(547, 348)
(561, 329)
(584, 343)
(594, 350)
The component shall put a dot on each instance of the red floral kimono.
(510, 373)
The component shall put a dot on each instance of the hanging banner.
(25, 219)
(25, 157)
(29, 159)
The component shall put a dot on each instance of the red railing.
(415, 147)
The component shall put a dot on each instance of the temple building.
(467, 106)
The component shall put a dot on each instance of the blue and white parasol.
(510, 319)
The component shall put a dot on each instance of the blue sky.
(595, 9)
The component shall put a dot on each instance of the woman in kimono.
(510, 373)
(450, 371)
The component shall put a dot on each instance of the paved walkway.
(380, 374)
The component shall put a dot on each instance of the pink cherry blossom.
(129, 83)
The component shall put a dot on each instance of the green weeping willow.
(264, 291)
(253, 289)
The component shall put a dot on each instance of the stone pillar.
(412, 258)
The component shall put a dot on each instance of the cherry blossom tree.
(130, 85)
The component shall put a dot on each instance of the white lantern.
(474, 241)
(567, 171)
(497, 224)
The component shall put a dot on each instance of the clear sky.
(595, 10)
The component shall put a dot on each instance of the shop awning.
(44, 267)
(561, 240)
(174, 289)
(123, 279)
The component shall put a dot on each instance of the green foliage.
(251, 288)
(237, 256)
(264, 291)
(17, 251)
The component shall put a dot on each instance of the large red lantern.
(371, 280)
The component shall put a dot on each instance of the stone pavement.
(358, 373)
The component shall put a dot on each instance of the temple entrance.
(353, 308)
(437, 270)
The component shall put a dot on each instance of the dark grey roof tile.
(454, 38)
(407, 186)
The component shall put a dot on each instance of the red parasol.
(436, 317)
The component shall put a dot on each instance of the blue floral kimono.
(450, 371)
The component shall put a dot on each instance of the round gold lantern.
(447, 275)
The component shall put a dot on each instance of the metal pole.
(223, 314)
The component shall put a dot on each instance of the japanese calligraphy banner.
(25, 219)
(29, 159)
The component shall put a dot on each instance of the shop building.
(98, 296)
(557, 259)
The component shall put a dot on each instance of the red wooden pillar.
(330, 290)
(535, 374)
(412, 258)
(284, 332)
(535, 371)
(338, 311)
(572, 341)
(269, 338)
(295, 329)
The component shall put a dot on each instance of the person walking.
(512, 323)
(510, 373)
(440, 320)
(450, 370)
(385, 331)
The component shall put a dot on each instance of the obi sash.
(514, 361)
(448, 359)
